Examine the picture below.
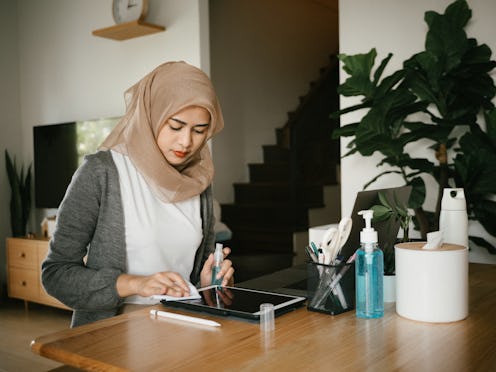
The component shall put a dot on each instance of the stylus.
(186, 318)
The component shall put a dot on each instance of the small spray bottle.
(369, 272)
(218, 258)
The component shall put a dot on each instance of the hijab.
(162, 93)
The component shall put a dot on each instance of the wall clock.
(129, 10)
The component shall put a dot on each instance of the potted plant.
(393, 212)
(397, 211)
(20, 201)
(436, 95)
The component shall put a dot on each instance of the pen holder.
(331, 288)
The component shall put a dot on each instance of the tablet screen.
(237, 301)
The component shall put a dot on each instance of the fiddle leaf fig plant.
(434, 101)
(20, 201)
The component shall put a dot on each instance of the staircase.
(296, 180)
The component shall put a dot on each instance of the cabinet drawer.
(24, 283)
(22, 253)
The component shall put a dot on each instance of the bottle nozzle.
(218, 254)
(368, 234)
(367, 216)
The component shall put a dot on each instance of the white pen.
(186, 318)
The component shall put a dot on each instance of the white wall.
(395, 26)
(264, 56)
(64, 73)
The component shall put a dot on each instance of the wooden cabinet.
(24, 258)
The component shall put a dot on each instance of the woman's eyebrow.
(179, 121)
(184, 123)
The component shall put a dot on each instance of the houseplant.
(398, 212)
(20, 201)
(435, 101)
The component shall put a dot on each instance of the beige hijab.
(162, 93)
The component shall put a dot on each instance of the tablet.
(236, 301)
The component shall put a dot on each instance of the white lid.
(368, 234)
(453, 200)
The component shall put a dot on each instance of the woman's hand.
(226, 272)
(164, 283)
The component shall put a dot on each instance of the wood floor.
(18, 327)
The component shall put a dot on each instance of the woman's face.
(184, 134)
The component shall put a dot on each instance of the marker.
(186, 318)
(315, 249)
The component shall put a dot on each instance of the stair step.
(314, 174)
(269, 173)
(309, 195)
(273, 154)
(269, 216)
(246, 240)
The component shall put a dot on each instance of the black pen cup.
(331, 288)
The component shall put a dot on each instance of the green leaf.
(380, 69)
(481, 242)
(490, 118)
(383, 199)
(345, 131)
(359, 67)
(485, 213)
(446, 38)
(381, 213)
(20, 200)
(417, 196)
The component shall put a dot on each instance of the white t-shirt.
(159, 236)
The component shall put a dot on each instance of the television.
(59, 150)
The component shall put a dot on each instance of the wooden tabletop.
(302, 340)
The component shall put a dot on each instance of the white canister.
(453, 220)
(431, 285)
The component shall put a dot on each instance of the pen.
(186, 318)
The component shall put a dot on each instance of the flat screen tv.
(59, 149)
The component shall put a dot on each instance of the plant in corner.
(20, 201)
(434, 101)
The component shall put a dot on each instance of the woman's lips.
(180, 154)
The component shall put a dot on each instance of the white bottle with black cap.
(453, 220)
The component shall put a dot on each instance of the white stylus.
(186, 318)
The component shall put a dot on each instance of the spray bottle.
(369, 272)
(218, 258)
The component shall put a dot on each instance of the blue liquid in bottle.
(369, 282)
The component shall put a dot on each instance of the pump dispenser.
(369, 272)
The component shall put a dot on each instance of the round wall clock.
(129, 10)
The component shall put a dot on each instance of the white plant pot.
(389, 290)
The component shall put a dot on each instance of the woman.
(137, 219)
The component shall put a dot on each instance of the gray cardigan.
(90, 223)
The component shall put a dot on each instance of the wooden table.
(302, 340)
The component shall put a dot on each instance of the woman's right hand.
(164, 283)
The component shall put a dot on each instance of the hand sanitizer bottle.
(369, 272)
(218, 258)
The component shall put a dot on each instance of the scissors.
(334, 240)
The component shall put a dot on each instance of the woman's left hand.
(226, 272)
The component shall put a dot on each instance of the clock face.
(129, 10)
